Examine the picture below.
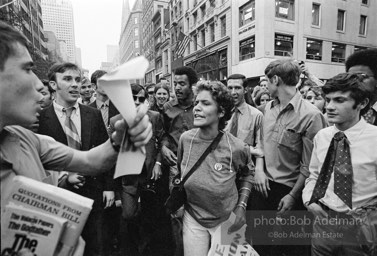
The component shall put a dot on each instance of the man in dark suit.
(112, 214)
(80, 127)
(102, 101)
(144, 225)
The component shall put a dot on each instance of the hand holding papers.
(117, 86)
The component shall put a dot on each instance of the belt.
(334, 214)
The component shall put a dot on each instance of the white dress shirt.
(76, 118)
(363, 146)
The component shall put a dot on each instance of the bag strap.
(210, 148)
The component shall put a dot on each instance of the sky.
(97, 24)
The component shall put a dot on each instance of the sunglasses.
(151, 92)
(141, 99)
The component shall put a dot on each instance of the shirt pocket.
(291, 140)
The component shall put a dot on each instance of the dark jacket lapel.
(86, 127)
(50, 125)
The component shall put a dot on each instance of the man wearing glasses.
(134, 187)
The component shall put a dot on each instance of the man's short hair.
(8, 38)
(366, 57)
(61, 68)
(287, 70)
(345, 82)
(47, 84)
(97, 75)
(236, 77)
(189, 72)
(136, 88)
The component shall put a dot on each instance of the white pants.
(196, 238)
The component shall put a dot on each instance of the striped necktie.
(105, 113)
(234, 124)
(73, 137)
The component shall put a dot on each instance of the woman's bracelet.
(243, 205)
(245, 188)
(246, 195)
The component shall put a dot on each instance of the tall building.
(78, 57)
(53, 46)
(161, 23)
(244, 36)
(26, 16)
(149, 9)
(131, 32)
(112, 53)
(57, 16)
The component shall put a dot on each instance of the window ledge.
(285, 20)
(315, 26)
(363, 36)
(340, 31)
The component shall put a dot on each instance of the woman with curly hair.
(211, 190)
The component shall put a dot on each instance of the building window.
(223, 26)
(364, 2)
(135, 20)
(359, 48)
(363, 25)
(313, 49)
(247, 13)
(285, 9)
(338, 52)
(247, 48)
(212, 32)
(316, 8)
(136, 44)
(195, 17)
(203, 11)
(341, 20)
(283, 45)
(203, 38)
(136, 31)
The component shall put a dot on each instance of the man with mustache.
(178, 118)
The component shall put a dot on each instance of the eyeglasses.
(150, 92)
(141, 99)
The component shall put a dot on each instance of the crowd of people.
(291, 145)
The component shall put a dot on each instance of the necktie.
(338, 159)
(73, 137)
(369, 116)
(105, 113)
(234, 124)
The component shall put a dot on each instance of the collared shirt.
(177, 120)
(104, 108)
(288, 138)
(91, 100)
(249, 128)
(363, 146)
(23, 152)
(75, 117)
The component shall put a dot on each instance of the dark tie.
(105, 113)
(73, 137)
(338, 159)
(234, 124)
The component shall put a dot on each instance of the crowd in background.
(273, 146)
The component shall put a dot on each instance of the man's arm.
(103, 157)
(317, 123)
